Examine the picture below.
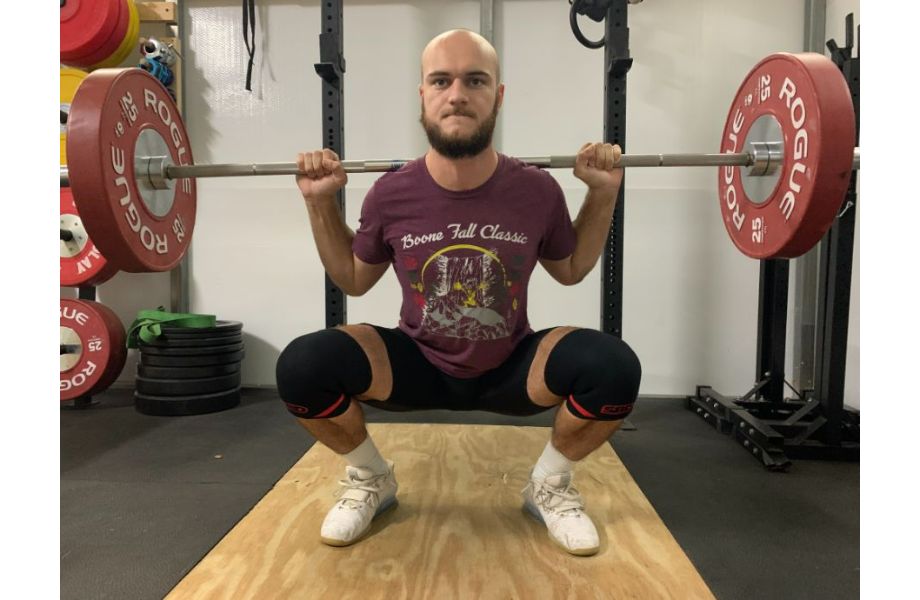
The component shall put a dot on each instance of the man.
(463, 227)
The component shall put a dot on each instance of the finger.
(595, 155)
(599, 157)
(584, 155)
(617, 153)
(317, 166)
(300, 162)
(306, 166)
(331, 162)
(581, 157)
(330, 166)
(608, 157)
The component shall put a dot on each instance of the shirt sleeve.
(369, 244)
(559, 240)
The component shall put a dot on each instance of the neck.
(458, 174)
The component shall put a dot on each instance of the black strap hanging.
(249, 30)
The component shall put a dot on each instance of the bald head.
(460, 45)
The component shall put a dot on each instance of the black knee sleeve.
(598, 374)
(318, 373)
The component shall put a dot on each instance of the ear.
(501, 94)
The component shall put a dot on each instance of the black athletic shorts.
(417, 384)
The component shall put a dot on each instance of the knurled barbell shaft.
(742, 159)
(380, 166)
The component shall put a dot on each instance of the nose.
(457, 92)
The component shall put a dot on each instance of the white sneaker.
(363, 496)
(557, 504)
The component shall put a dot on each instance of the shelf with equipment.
(152, 42)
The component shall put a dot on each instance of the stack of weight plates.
(98, 33)
(190, 371)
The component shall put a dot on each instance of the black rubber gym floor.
(144, 498)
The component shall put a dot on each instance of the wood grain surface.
(458, 532)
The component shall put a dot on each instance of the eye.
(439, 82)
(477, 81)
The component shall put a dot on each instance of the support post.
(331, 69)
(771, 327)
(616, 65)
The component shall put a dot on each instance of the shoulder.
(534, 182)
(393, 186)
(396, 181)
(522, 172)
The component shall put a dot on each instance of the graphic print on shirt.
(466, 291)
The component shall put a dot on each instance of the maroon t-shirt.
(464, 259)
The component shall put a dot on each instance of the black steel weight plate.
(155, 360)
(222, 328)
(192, 351)
(174, 406)
(187, 372)
(195, 342)
(186, 387)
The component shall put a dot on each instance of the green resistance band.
(148, 325)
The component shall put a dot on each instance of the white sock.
(551, 462)
(366, 455)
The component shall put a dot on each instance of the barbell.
(156, 171)
(791, 124)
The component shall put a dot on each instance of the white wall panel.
(690, 305)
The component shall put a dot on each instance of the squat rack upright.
(817, 424)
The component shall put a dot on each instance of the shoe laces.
(559, 500)
(355, 492)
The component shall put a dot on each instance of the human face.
(460, 98)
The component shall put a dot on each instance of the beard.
(460, 147)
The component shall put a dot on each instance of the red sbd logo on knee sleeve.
(296, 408)
(616, 409)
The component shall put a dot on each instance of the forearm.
(333, 242)
(591, 228)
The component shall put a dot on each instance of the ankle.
(366, 455)
(551, 462)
